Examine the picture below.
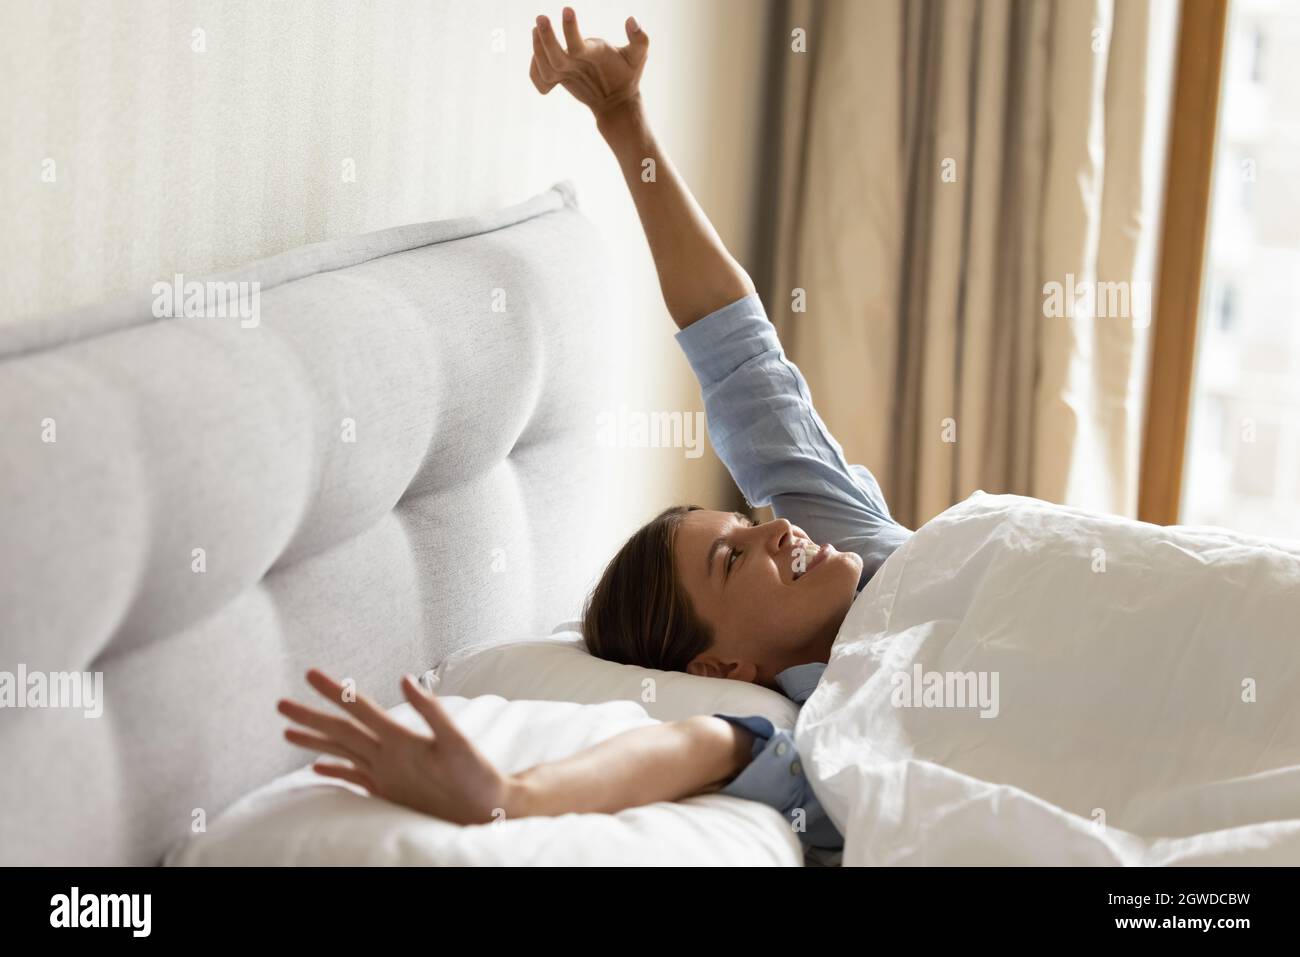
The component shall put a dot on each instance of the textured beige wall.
(167, 158)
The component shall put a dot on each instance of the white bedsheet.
(1147, 706)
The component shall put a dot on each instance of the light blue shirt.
(765, 430)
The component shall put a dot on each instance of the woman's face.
(743, 580)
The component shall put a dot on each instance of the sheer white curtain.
(941, 168)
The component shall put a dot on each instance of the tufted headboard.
(394, 458)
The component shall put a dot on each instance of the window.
(1243, 449)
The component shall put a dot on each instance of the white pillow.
(304, 819)
(560, 668)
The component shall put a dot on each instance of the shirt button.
(796, 768)
(781, 748)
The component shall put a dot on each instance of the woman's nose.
(781, 532)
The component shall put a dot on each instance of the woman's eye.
(731, 560)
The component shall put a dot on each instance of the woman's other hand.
(441, 774)
(601, 76)
(444, 775)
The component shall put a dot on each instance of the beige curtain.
(937, 166)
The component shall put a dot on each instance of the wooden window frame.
(1188, 190)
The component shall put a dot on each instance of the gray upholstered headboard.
(397, 460)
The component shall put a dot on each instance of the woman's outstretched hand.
(602, 76)
(443, 775)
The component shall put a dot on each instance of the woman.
(705, 592)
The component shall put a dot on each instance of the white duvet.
(1023, 683)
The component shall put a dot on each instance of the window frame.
(1189, 176)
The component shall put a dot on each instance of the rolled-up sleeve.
(767, 433)
(775, 777)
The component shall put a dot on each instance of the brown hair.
(638, 613)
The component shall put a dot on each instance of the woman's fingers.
(351, 775)
(535, 75)
(555, 56)
(572, 37)
(541, 64)
(316, 742)
(345, 732)
(355, 704)
(638, 44)
(430, 709)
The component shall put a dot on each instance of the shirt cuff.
(727, 338)
(774, 775)
(762, 729)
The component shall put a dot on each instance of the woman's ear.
(711, 666)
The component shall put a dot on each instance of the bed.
(370, 474)
(391, 466)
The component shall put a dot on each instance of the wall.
(195, 136)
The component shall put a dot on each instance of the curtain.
(964, 201)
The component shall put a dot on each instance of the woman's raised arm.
(697, 274)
